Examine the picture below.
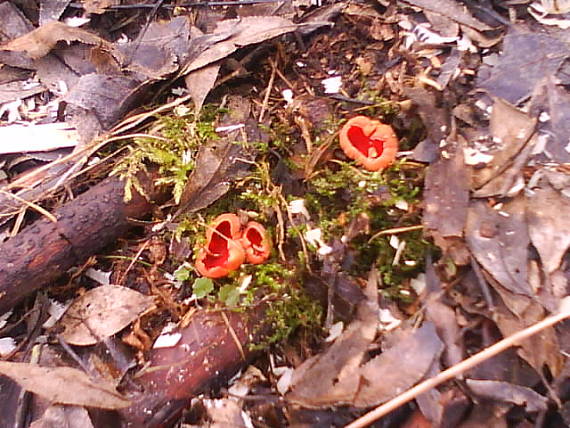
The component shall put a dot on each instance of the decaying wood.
(211, 349)
(45, 250)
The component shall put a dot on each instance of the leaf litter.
(481, 103)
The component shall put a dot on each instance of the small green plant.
(171, 144)
(202, 287)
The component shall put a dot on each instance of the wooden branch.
(211, 349)
(45, 250)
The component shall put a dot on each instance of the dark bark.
(206, 355)
(45, 250)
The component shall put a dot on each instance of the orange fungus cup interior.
(223, 252)
(369, 142)
(256, 243)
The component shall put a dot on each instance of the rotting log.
(213, 347)
(45, 250)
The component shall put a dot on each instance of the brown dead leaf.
(63, 416)
(337, 377)
(527, 59)
(98, 101)
(399, 367)
(446, 196)
(64, 385)
(200, 82)
(333, 376)
(224, 412)
(451, 9)
(540, 349)
(549, 225)
(222, 161)
(511, 130)
(98, 6)
(498, 239)
(160, 51)
(552, 101)
(42, 40)
(102, 312)
(241, 32)
(509, 393)
(51, 10)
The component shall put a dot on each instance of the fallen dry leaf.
(333, 377)
(446, 197)
(538, 350)
(399, 367)
(64, 385)
(511, 130)
(42, 40)
(509, 393)
(102, 312)
(451, 9)
(224, 412)
(160, 50)
(498, 239)
(98, 6)
(200, 82)
(241, 32)
(553, 102)
(337, 377)
(549, 229)
(221, 161)
(51, 10)
(527, 58)
(63, 416)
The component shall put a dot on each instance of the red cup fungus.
(227, 246)
(223, 252)
(369, 142)
(256, 243)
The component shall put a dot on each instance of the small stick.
(274, 65)
(33, 206)
(463, 366)
(396, 230)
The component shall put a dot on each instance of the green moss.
(172, 144)
(341, 192)
(292, 310)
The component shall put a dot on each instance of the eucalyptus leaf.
(202, 287)
(229, 294)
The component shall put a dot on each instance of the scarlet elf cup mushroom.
(228, 246)
(223, 252)
(256, 243)
(369, 142)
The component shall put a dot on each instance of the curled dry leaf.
(511, 130)
(527, 59)
(400, 367)
(64, 385)
(332, 377)
(102, 312)
(42, 40)
(498, 239)
(339, 377)
(64, 416)
(548, 226)
(510, 393)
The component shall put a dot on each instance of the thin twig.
(233, 334)
(33, 206)
(137, 255)
(268, 90)
(395, 230)
(459, 368)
